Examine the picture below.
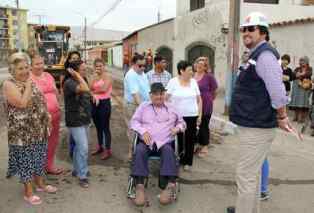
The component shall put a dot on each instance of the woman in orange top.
(46, 84)
(101, 88)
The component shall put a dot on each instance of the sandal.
(48, 189)
(33, 200)
(203, 153)
(57, 171)
(197, 150)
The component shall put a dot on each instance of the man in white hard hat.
(258, 106)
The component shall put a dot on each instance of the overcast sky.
(129, 15)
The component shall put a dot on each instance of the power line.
(112, 8)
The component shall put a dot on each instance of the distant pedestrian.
(288, 74)
(158, 74)
(183, 92)
(165, 64)
(301, 90)
(77, 104)
(136, 91)
(28, 128)
(46, 84)
(258, 106)
(101, 88)
(208, 88)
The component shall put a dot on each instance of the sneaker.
(187, 168)
(84, 183)
(230, 209)
(264, 196)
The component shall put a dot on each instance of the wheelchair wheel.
(131, 188)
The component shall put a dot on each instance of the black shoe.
(230, 209)
(84, 183)
(264, 196)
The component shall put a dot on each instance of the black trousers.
(203, 135)
(101, 117)
(186, 141)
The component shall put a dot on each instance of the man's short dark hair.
(157, 87)
(264, 31)
(182, 65)
(286, 57)
(137, 57)
(158, 59)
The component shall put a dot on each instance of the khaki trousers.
(255, 145)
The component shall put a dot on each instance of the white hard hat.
(255, 19)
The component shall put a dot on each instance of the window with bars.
(263, 1)
(196, 4)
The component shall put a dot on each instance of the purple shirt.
(270, 71)
(208, 86)
(157, 121)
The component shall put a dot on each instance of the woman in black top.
(77, 105)
(288, 74)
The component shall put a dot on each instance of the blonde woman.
(28, 128)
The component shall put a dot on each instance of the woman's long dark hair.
(67, 61)
(75, 65)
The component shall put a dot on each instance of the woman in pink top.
(46, 84)
(101, 88)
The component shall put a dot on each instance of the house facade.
(201, 28)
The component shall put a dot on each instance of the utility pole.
(158, 16)
(19, 43)
(233, 49)
(85, 38)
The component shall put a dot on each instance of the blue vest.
(250, 103)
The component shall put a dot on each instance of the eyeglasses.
(249, 28)
(141, 65)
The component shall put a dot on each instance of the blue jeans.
(265, 175)
(80, 152)
(72, 146)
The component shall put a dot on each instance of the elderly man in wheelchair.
(156, 124)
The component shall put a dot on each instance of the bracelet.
(282, 118)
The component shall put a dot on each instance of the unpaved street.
(208, 189)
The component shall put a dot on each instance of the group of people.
(157, 107)
(33, 117)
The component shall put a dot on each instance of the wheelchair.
(154, 156)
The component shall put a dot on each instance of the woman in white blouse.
(183, 92)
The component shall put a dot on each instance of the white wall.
(277, 13)
(203, 25)
(156, 36)
(295, 40)
(117, 56)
